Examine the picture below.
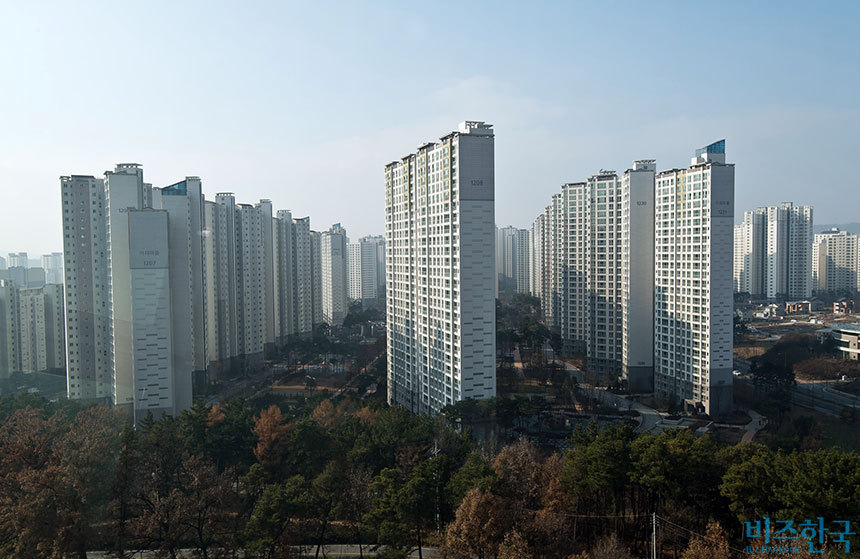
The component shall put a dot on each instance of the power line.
(703, 536)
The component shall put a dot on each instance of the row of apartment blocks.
(773, 252)
(634, 270)
(777, 256)
(167, 291)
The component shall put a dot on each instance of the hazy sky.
(304, 103)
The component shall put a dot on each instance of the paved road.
(822, 396)
(649, 417)
(753, 427)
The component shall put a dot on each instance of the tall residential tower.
(440, 266)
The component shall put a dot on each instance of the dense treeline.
(263, 479)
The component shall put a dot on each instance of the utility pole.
(653, 535)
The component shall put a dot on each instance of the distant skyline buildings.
(835, 261)
(513, 265)
(773, 252)
(366, 274)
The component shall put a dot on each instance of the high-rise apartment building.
(316, 276)
(32, 336)
(637, 276)
(183, 202)
(250, 286)
(749, 253)
(788, 271)
(284, 276)
(366, 260)
(773, 256)
(440, 267)
(219, 249)
(157, 384)
(304, 284)
(267, 239)
(536, 232)
(835, 261)
(333, 272)
(53, 266)
(135, 306)
(512, 259)
(124, 191)
(693, 281)
(19, 259)
(89, 343)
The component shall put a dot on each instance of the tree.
(514, 546)
(272, 431)
(273, 527)
(356, 499)
(55, 479)
(519, 476)
(208, 504)
(713, 545)
(475, 473)
(87, 458)
(597, 471)
(29, 515)
(327, 490)
(609, 547)
(481, 522)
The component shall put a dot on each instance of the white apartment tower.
(32, 333)
(788, 271)
(333, 269)
(89, 343)
(156, 384)
(835, 261)
(602, 272)
(53, 266)
(536, 234)
(773, 252)
(637, 276)
(124, 191)
(267, 239)
(316, 277)
(693, 303)
(512, 259)
(365, 264)
(570, 232)
(250, 286)
(304, 308)
(183, 202)
(749, 253)
(440, 267)
(219, 250)
(285, 295)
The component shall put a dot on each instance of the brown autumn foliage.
(518, 468)
(327, 416)
(514, 546)
(55, 477)
(713, 545)
(272, 430)
(481, 522)
(826, 368)
(366, 416)
(609, 547)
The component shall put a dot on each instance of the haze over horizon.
(304, 104)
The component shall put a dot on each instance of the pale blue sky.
(304, 103)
